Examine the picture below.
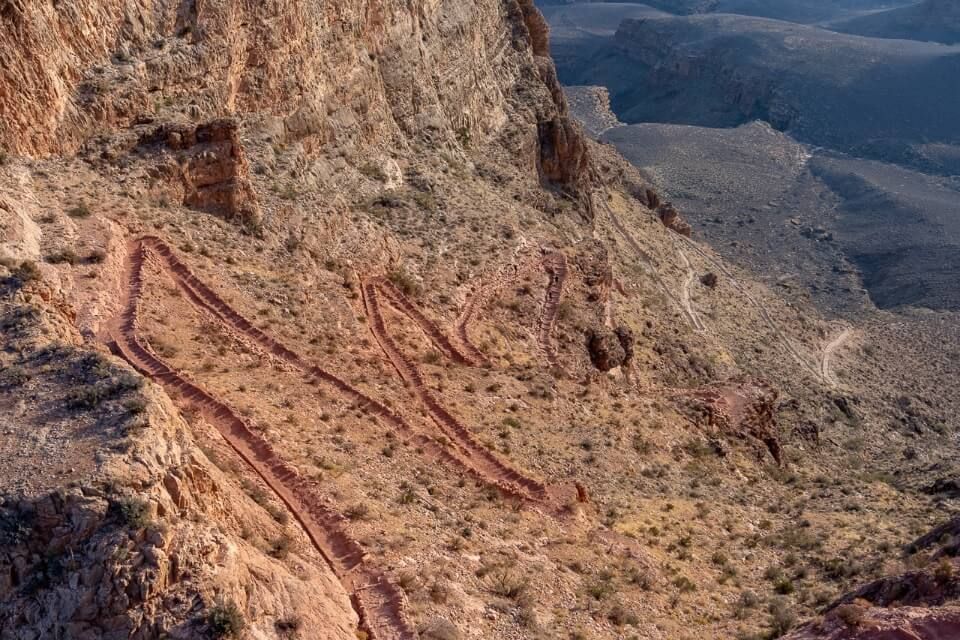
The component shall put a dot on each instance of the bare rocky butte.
(327, 320)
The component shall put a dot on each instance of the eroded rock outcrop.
(920, 603)
(564, 160)
(670, 217)
(917, 604)
(608, 348)
(740, 407)
(605, 349)
(863, 622)
(211, 168)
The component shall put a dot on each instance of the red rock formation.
(873, 623)
(213, 169)
(537, 27)
(564, 160)
(670, 217)
(740, 407)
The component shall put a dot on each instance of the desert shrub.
(373, 171)
(13, 376)
(280, 547)
(601, 587)
(81, 210)
(439, 629)
(748, 600)
(64, 256)
(784, 585)
(91, 396)
(288, 627)
(439, 592)
(510, 421)
(132, 512)
(405, 282)
(506, 583)
(620, 616)
(136, 405)
(225, 620)
(850, 614)
(781, 617)
(25, 273)
(684, 584)
(944, 571)
(358, 511)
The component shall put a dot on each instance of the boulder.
(606, 349)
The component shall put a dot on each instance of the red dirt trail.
(378, 602)
(555, 265)
(205, 298)
(481, 457)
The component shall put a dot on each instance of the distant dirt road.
(828, 351)
(698, 324)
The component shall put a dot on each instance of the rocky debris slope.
(920, 603)
(123, 527)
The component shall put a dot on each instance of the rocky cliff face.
(355, 72)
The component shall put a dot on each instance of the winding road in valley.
(822, 371)
(761, 308)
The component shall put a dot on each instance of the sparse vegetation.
(80, 210)
(225, 620)
(288, 627)
(405, 282)
(132, 512)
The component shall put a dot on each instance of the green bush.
(225, 620)
(132, 512)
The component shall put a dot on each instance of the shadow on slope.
(723, 71)
(812, 221)
(931, 21)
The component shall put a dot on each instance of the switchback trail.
(482, 294)
(477, 454)
(787, 343)
(378, 602)
(206, 299)
(644, 258)
(698, 324)
(429, 328)
(555, 265)
(828, 352)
